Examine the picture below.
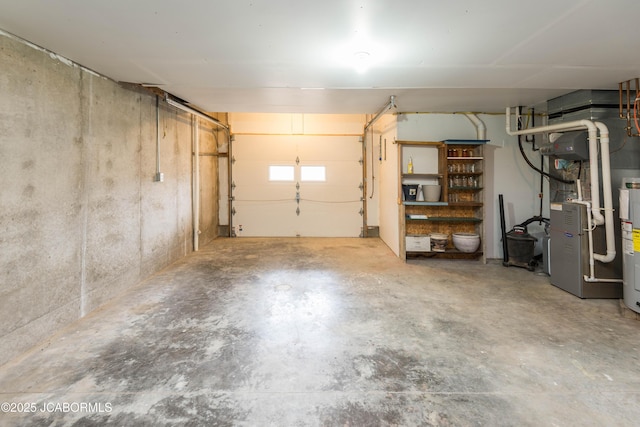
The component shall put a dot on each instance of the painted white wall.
(388, 207)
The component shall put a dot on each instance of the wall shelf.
(466, 141)
(460, 208)
(411, 203)
(446, 219)
(466, 188)
(448, 254)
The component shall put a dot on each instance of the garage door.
(297, 186)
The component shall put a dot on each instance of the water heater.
(630, 218)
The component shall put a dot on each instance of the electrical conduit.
(196, 183)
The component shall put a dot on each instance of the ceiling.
(343, 56)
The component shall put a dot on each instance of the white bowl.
(466, 242)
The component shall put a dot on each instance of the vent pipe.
(592, 128)
(481, 129)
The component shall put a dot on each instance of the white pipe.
(230, 181)
(481, 129)
(598, 218)
(158, 173)
(589, 231)
(600, 280)
(591, 277)
(606, 194)
(195, 188)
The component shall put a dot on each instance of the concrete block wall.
(81, 218)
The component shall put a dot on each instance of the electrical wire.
(302, 200)
(265, 201)
(532, 166)
(331, 202)
(624, 142)
(635, 113)
(373, 178)
(541, 185)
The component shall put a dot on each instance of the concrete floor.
(335, 332)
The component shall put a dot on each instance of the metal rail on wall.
(390, 105)
(196, 155)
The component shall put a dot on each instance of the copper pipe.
(626, 86)
(637, 83)
(620, 102)
(628, 100)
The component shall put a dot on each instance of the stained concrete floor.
(334, 332)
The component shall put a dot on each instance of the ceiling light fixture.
(362, 61)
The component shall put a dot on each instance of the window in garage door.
(323, 199)
(281, 173)
(313, 173)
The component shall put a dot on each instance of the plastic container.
(431, 192)
(410, 191)
(439, 242)
(521, 247)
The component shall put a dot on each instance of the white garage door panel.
(346, 174)
(263, 208)
(265, 219)
(325, 220)
(339, 194)
(264, 193)
(273, 148)
(327, 209)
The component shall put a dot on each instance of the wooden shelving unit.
(460, 171)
